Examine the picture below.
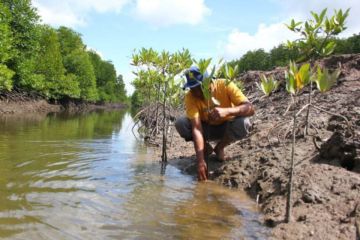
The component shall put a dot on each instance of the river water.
(86, 177)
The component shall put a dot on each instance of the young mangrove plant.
(268, 85)
(324, 79)
(156, 78)
(317, 39)
(295, 81)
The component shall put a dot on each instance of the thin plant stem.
(164, 154)
(289, 196)
(308, 109)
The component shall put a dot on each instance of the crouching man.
(224, 123)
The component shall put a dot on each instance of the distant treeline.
(281, 55)
(52, 62)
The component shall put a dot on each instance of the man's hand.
(202, 171)
(218, 113)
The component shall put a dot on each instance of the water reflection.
(86, 177)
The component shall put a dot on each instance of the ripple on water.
(78, 178)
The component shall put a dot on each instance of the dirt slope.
(326, 199)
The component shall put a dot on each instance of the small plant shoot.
(268, 84)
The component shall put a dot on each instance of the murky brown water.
(86, 177)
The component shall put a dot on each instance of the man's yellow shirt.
(228, 96)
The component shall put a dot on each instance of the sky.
(208, 28)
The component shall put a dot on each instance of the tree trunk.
(164, 155)
(157, 109)
(288, 202)
(308, 110)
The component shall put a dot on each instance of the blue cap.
(194, 77)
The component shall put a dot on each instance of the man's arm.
(245, 110)
(199, 144)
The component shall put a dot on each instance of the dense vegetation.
(54, 63)
(254, 60)
(281, 55)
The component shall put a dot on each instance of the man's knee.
(239, 128)
(183, 127)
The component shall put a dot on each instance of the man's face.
(197, 92)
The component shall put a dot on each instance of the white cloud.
(158, 13)
(266, 37)
(269, 36)
(74, 12)
(162, 13)
(303, 8)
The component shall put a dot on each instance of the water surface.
(86, 177)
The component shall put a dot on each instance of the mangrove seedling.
(325, 80)
(295, 81)
(317, 39)
(156, 73)
(268, 85)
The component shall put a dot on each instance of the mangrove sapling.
(301, 77)
(159, 70)
(317, 40)
(325, 81)
(268, 85)
(295, 81)
(170, 65)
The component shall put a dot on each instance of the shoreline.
(326, 188)
(41, 106)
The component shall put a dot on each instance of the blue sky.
(208, 28)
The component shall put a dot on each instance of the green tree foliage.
(78, 63)
(23, 22)
(120, 90)
(50, 64)
(137, 99)
(253, 60)
(106, 80)
(69, 41)
(348, 45)
(281, 55)
(53, 62)
(6, 50)
(316, 34)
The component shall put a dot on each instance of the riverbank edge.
(17, 105)
(326, 195)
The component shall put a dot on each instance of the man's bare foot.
(220, 154)
(208, 149)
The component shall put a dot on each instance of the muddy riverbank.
(22, 103)
(326, 197)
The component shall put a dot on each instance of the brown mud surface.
(25, 107)
(326, 190)
(24, 103)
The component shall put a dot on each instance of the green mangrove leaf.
(325, 80)
(304, 74)
(267, 85)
